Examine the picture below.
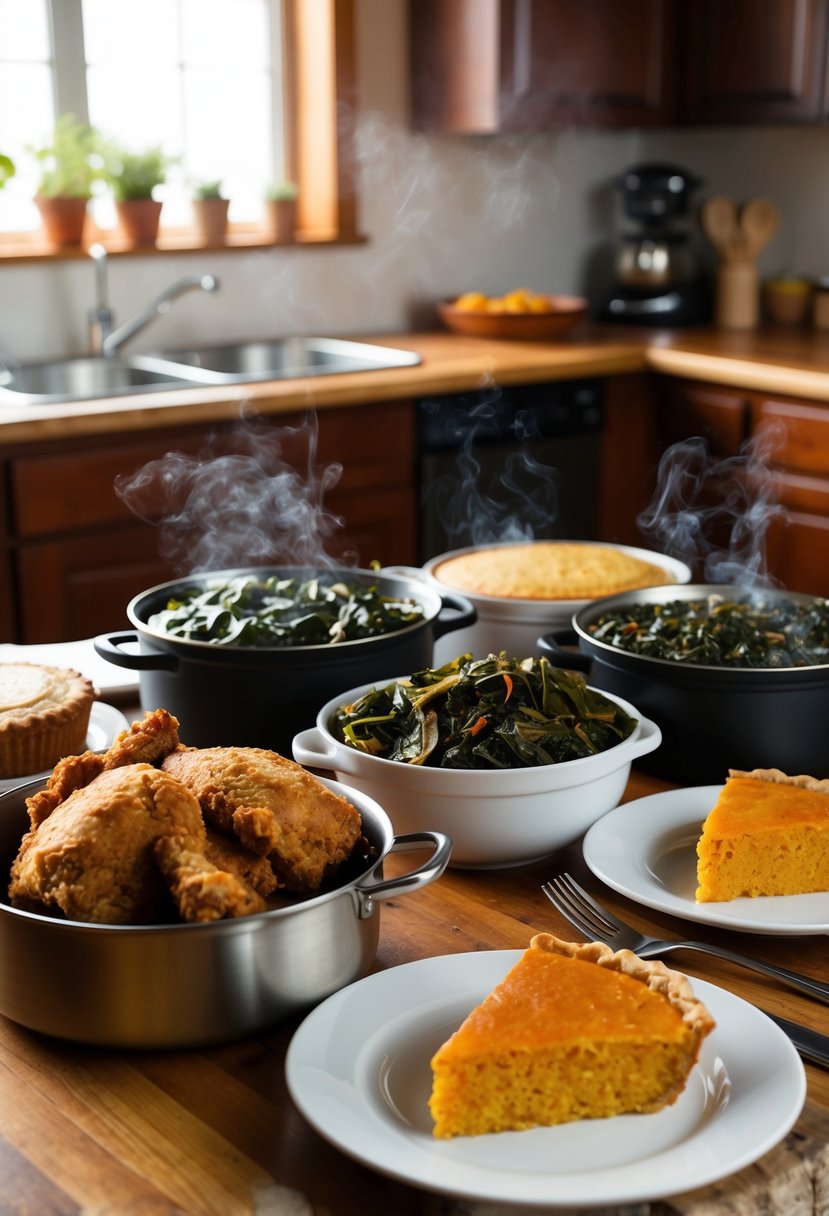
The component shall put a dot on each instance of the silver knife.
(811, 1045)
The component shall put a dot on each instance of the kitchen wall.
(442, 215)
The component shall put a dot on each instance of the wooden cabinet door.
(719, 416)
(80, 553)
(594, 63)
(798, 552)
(750, 62)
(76, 587)
(483, 66)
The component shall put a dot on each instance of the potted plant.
(280, 202)
(7, 169)
(133, 177)
(210, 212)
(71, 164)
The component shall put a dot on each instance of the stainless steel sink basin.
(51, 381)
(280, 359)
(55, 380)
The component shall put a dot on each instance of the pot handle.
(456, 612)
(650, 736)
(108, 646)
(311, 751)
(406, 572)
(368, 892)
(550, 646)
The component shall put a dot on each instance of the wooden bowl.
(565, 313)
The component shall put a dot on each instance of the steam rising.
(514, 503)
(244, 506)
(715, 515)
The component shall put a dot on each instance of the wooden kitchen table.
(214, 1131)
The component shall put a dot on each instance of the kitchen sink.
(279, 359)
(50, 381)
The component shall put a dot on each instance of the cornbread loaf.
(767, 834)
(549, 570)
(572, 1032)
(44, 715)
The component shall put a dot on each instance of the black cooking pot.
(712, 718)
(254, 696)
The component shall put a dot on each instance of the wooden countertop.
(214, 1132)
(786, 361)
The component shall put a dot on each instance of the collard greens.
(248, 611)
(485, 713)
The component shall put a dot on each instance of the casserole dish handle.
(108, 646)
(369, 891)
(550, 645)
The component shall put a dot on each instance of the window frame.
(319, 98)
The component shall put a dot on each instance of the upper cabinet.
(487, 66)
(483, 66)
(753, 61)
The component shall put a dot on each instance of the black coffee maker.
(657, 281)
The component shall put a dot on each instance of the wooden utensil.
(720, 225)
(758, 224)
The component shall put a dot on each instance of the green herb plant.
(7, 169)
(492, 713)
(135, 175)
(71, 161)
(208, 190)
(283, 192)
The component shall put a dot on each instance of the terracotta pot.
(138, 220)
(281, 216)
(63, 219)
(210, 219)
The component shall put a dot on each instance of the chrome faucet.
(107, 341)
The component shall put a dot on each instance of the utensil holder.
(737, 295)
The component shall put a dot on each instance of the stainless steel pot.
(261, 696)
(712, 718)
(183, 985)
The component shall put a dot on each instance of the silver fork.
(598, 924)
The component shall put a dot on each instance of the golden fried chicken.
(228, 853)
(200, 889)
(93, 857)
(147, 741)
(274, 806)
(118, 847)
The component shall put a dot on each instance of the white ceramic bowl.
(514, 625)
(495, 818)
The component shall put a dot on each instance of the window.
(243, 91)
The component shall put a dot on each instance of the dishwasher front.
(509, 463)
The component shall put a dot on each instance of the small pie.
(572, 1032)
(767, 834)
(44, 716)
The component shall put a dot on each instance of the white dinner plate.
(358, 1070)
(647, 850)
(105, 722)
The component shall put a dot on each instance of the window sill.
(33, 249)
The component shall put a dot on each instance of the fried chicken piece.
(147, 741)
(201, 890)
(93, 856)
(229, 854)
(116, 850)
(274, 806)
